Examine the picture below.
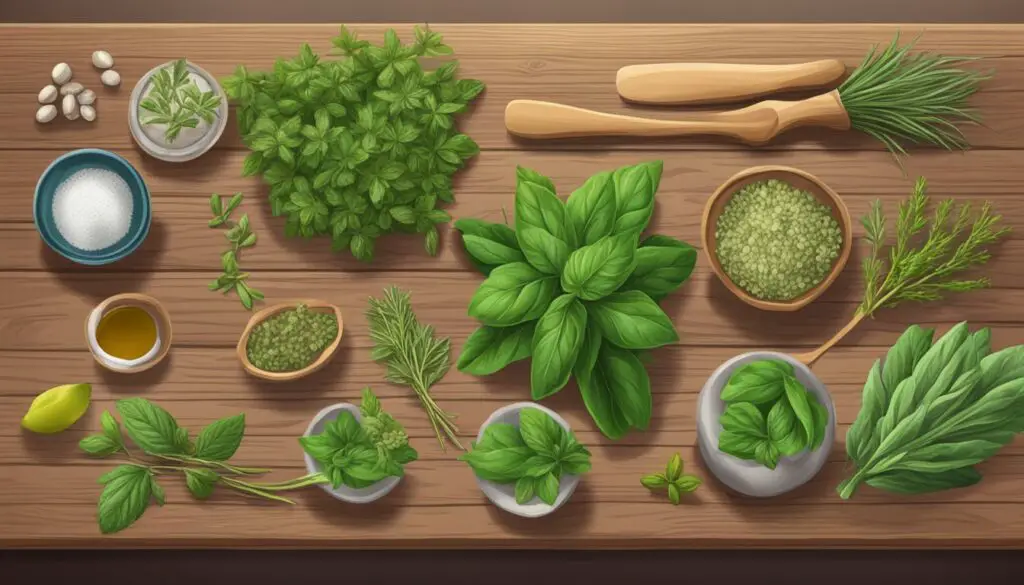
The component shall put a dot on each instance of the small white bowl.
(345, 493)
(504, 495)
(749, 477)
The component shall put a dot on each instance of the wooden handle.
(541, 120)
(702, 83)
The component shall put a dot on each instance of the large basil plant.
(575, 287)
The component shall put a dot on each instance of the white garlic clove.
(46, 114)
(111, 78)
(73, 88)
(102, 60)
(88, 113)
(61, 73)
(87, 97)
(70, 107)
(48, 94)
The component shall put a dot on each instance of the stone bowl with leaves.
(344, 492)
(177, 111)
(504, 495)
(750, 477)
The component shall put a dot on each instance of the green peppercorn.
(775, 241)
(291, 340)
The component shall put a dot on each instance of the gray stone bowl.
(749, 477)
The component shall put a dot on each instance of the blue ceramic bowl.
(70, 163)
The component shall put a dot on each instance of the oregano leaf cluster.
(357, 147)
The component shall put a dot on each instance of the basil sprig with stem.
(167, 449)
(240, 236)
(673, 480)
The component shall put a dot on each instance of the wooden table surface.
(48, 490)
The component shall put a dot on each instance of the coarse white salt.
(93, 209)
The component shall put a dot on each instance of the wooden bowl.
(163, 333)
(261, 316)
(800, 180)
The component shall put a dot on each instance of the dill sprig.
(922, 263)
(898, 97)
(177, 102)
(414, 356)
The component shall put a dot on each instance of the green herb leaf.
(489, 245)
(219, 440)
(543, 251)
(98, 445)
(760, 382)
(800, 401)
(663, 264)
(674, 469)
(149, 426)
(635, 187)
(655, 481)
(596, 387)
(540, 432)
(820, 425)
(526, 489)
(111, 429)
(767, 454)
(912, 483)
(631, 320)
(674, 494)
(513, 294)
(489, 349)
(322, 447)
(744, 417)
(742, 445)
(200, 482)
(538, 207)
(556, 344)
(547, 489)
(500, 465)
(629, 383)
(688, 483)
(597, 270)
(590, 209)
(126, 494)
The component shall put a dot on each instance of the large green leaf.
(513, 294)
(596, 271)
(537, 206)
(543, 251)
(489, 245)
(635, 187)
(631, 320)
(596, 388)
(911, 483)
(489, 349)
(556, 345)
(590, 209)
(629, 383)
(663, 264)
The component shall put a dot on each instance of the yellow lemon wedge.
(58, 408)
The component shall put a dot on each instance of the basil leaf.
(504, 465)
(688, 483)
(635, 187)
(543, 251)
(486, 243)
(319, 447)
(346, 429)
(596, 271)
(673, 494)
(98, 445)
(800, 403)
(200, 482)
(526, 489)
(556, 345)
(149, 426)
(662, 265)
(629, 383)
(820, 425)
(781, 421)
(537, 206)
(744, 417)
(739, 444)
(596, 388)
(363, 465)
(631, 320)
(220, 439)
(403, 455)
(759, 382)
(655, 481)
(111, 428)
(489, 349)
(911, 483)
(126, 494)
(793, 443)
(540, 432)
(500, 436)
(513, 294)
(767, 454)
(590, 209)
(547, 489)
(576, 463)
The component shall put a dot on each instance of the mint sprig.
(672, 480)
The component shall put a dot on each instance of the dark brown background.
(493, 568)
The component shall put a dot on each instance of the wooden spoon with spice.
(268, 318)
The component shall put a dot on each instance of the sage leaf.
(590, 209)
(513, 294)
(662, 265)
(526, 489)
(219, 440)
(911, 483)
(489, 349)
(596, 271)
(629, 383)
(861, 439)
(800, 400)
(200, 482)
(543, 251)
(635, 187)
(538, 207)
(904, 355)
(127, 490)
(907, 396)
(149, 426)
(596, 388)
(547, 489)
(942, 457)
(556, 345)
(631, 320)
(760, 382)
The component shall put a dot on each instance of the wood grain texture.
(50, 490)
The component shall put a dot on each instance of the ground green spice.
(775, 241)
(291, 340)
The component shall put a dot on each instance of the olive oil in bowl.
(127, 332)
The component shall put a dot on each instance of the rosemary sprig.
(898, 97)
(177, 102)
(928, 253)
(240, 236)
(414, 356)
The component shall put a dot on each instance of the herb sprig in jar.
(775, 241)
(291, 340)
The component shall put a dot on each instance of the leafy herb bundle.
(129, 488)
(357, 147)
(674, 481)
(931, 412)
(769, 414)
(572, 288)
(923, 262)
(534, 456)
(414, 356)
(177, 102)
(360, 453)
(240, 236)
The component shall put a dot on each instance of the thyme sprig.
(239, 236)
(177, 102)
